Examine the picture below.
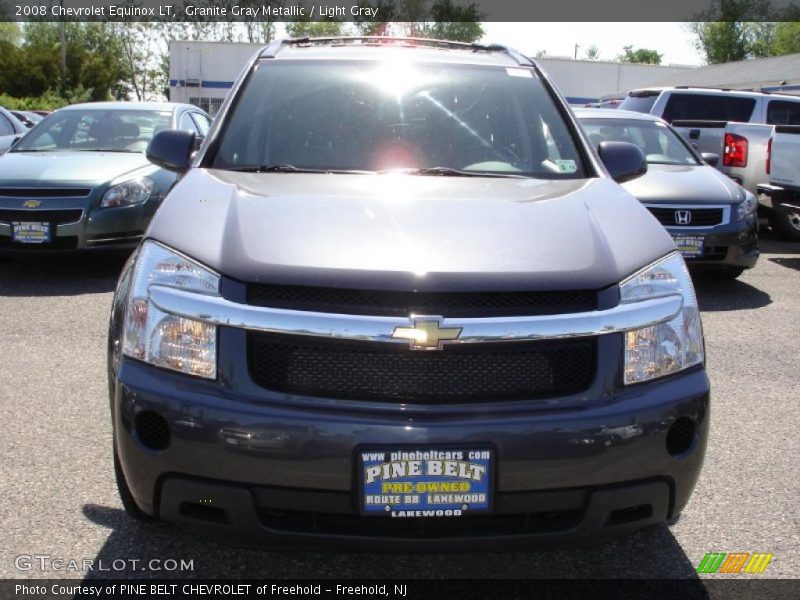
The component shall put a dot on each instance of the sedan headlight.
(127, 193)
(162, 339)
(660, 350)
(746, 207)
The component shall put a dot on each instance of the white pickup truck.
(782, 192)
(764, 159)
(736, 126)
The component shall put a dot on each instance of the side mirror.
(710, 158)
(171, 149)
(624, 161)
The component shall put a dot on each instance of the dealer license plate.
(425, 482)
(26, 232)
(689, 245)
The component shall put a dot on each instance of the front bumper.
(779, 199)
(730, 245)
(109, 229)
(262, 468)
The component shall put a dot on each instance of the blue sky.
(673, 40)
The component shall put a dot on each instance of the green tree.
(733, 30)
(456, 23)
(787, 38)
(593, 53)
(640, 55)
(10, 32)
(387, 11)
(312, 29)
(726, 41)
(440, 19)
(94, 61)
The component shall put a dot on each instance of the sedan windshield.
(426, 119)
(660, 144)
(95, 130)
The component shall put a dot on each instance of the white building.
(201, 73)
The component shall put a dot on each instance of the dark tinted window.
(782, 112)
(376, 116)
(95, 129)
(639, 103)
(708, 107)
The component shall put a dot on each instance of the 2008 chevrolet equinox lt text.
(396, 301)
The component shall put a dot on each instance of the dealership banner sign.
(463, 589)
(380, 10)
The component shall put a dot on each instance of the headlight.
(126, 193)
(746, 207)
(162, 339)
(660, 350)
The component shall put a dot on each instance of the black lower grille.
(696, 217)
(458, 373)
(393, 303)
(41, 216)
(473, 526)
(42, 192)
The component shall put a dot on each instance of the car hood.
(85, 167)
(410, 232)
(684, 184)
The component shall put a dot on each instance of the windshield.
(660, 144)
(95, 130)
(436, 119)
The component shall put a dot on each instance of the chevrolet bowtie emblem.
(31, 203)
(426, 334)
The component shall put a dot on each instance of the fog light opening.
(680, 436)
(201, 512)
(630, 515)
(152, 430)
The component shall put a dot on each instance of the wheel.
(787, 225)
(128, 503)
(729, 272)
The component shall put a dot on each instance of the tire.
(787, 225)
(729, 272)
(128, 503)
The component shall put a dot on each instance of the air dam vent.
(152, 430)
(681, 436)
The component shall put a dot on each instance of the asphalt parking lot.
(59, 498)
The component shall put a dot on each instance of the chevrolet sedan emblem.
(426, 334)
(31, 203)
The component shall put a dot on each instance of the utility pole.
(63, 34)
(576, 51)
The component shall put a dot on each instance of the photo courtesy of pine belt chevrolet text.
(398, 299)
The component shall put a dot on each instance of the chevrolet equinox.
(396, 300)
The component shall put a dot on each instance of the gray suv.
(397, 298)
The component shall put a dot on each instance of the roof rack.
(378, 40)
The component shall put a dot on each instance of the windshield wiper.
(284, 168)
(450, 172)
